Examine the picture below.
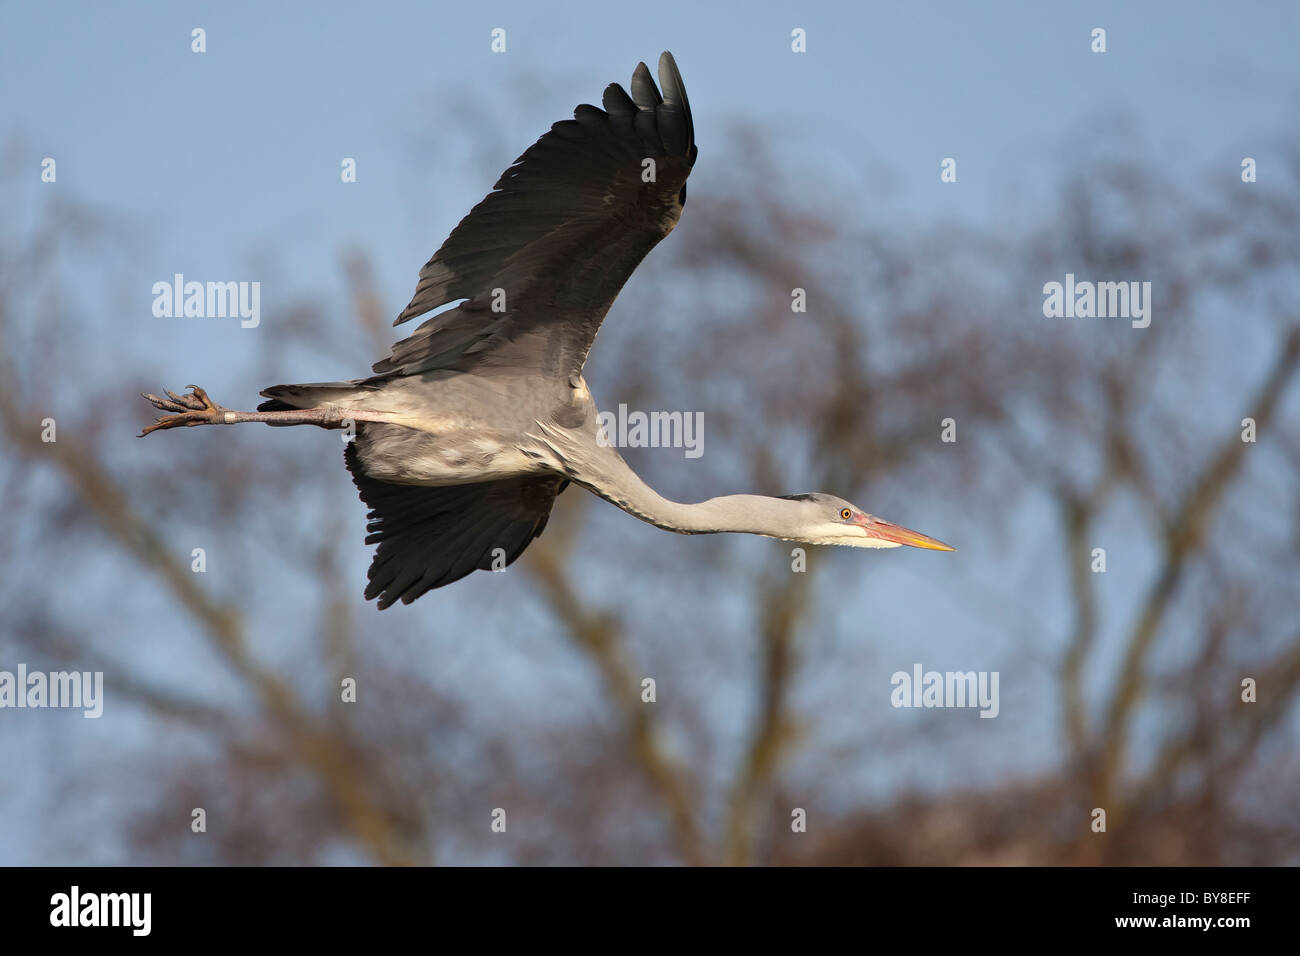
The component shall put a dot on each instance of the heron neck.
(617, 483)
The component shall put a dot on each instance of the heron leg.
(197, 408)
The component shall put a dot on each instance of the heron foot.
(195, 408)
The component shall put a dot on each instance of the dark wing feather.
(430, 537)
(559, 235)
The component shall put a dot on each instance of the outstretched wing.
(430, 537)
(541, 259)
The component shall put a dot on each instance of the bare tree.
(1127, 439)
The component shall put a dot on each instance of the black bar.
(932, 905)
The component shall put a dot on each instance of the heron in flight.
(468, 431)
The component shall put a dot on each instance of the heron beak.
(885, 531)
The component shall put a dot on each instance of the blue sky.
(235, 152)
(231, 158)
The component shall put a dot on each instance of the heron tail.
(311, 395)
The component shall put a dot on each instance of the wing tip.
(644, 92)
(670, 78)
(675, 109)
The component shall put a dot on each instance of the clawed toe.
(173, 405)
(195, 408)
(192, 401)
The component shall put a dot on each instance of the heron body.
(468, 431)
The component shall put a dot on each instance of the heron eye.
(846, 513)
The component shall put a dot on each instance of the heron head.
(831, 520)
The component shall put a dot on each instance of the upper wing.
(541, 259)
(429, 537)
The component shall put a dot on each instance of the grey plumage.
(468, 431)
(563, 229)
(430, 537)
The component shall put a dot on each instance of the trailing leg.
(197, 408)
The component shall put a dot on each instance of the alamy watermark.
(129, 910)
(1100, 300)
(637, 429)
(210, 300)
(922, 688)
(62, 689)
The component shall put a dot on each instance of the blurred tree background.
(523, 691)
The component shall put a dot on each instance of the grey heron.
(468, 431)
